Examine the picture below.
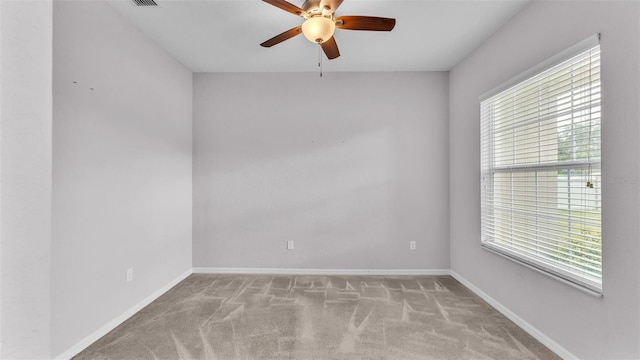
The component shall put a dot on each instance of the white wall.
(588, 327)
(25, 175)
(122, 169)
(351, 166)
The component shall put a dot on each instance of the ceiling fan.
(319, 24)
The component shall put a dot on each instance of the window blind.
(540, 170)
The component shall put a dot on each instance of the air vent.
(145, 2)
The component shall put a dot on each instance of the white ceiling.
(224, 35)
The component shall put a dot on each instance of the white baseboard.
(76, 349)
(284, 271)
(530, 329)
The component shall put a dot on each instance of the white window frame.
(587, 282)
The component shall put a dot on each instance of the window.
(540, 168)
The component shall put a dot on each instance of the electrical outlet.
(290, 245)
(129, 274)
(412, 245)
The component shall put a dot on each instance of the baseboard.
(530, 329)
(296, 271)
(76, 349)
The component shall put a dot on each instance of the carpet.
(247, 317)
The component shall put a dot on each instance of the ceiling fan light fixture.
(318, 29)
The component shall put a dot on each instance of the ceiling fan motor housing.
(311, 6)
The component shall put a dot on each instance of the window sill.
(580, 287)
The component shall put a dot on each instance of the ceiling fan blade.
(330, 48)
(286, 6)
(333, 4)
(370, 23)
(282, 37)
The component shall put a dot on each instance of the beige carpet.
(246, 317)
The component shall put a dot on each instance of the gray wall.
(121, 169)
(589, 327)
(351, 166)
(25, 168)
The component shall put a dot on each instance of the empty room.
(320, 179)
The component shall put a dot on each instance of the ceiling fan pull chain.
(320, 58)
